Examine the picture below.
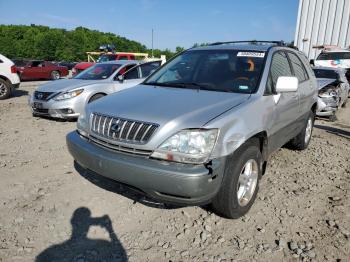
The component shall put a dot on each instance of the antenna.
(152, 43)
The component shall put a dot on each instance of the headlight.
(188, 146)
(68, 95)
(83, 125)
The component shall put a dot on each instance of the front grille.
(123, 130)
(42, 95)
(120, 148)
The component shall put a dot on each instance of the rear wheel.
(55, 75)
(95, 97)
(240, 183)
(5, 89)
(302, 140)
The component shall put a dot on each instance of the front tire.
(5, 89)
(55, 75)
(302, 140)
(240, 184)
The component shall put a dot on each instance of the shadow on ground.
(19, 92)
(335, 131)
(113, 186)
(81, 248)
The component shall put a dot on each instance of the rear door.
(305, 88)
(286, 105)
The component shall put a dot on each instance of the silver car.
(67, 98)
(333, 90)
(202, 127)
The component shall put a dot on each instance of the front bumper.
(57, 109)
(164, 181)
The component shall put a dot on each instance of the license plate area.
(37, 105)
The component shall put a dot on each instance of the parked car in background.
(79, 67)
(201, 128)
(9, 79)
(69, 65)
(333, 57)
(333, 90)
(67, 98)
(37, 69)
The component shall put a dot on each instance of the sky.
(175, 23)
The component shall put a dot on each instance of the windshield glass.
(323, 73)
(334, 56)
(98, 72)
(214, 70)
(105, 58)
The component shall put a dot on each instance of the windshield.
(334, 56)
(105, 58)
(214, 70)
(323, 73)
(98, 72)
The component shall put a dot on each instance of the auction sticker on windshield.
(251, 54)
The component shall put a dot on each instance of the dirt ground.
(52, 210)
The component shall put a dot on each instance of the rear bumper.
(164, 181)
(15, 86)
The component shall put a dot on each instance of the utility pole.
(152, 42)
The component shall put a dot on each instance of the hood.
(64, 85)
(183, 108)
(323, 82)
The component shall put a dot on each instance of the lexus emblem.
(115, 128)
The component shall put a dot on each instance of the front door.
(286, 105)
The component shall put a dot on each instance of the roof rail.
(257, 42)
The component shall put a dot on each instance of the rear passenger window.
(298, 67)
(149, 68)
(279, 67)
(132, 74)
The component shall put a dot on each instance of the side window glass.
(299, 69)
(148, 68)
(279, 67)
(132, 74)
(123, 58)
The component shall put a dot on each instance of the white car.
(335, 58)
(9, 79)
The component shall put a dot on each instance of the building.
(322, 22)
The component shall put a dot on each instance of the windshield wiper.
(192, 85)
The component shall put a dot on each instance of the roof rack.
(257, 42)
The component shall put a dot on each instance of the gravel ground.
(51, 207)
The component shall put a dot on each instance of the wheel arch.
(94, 94)
(5, 79)
(262, 139)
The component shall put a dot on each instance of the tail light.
(13, 69)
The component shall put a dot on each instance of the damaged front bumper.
(168, 182)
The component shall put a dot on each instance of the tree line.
(53, 44)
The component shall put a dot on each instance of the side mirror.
(121, 78)
(287, 84)
(312, 62)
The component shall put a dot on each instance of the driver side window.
(279, 67)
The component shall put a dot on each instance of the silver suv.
(201, 128)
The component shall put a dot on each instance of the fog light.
(67, 111)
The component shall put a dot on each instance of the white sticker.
(251, 54)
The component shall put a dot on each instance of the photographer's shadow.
(81, 248)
